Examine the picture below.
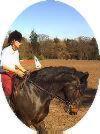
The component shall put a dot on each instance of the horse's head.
(83, 80)
(74, 90)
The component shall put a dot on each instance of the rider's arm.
(16, 71)
(18, 65)
(7, 69)
(21, 68)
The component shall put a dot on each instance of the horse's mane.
(52, 74)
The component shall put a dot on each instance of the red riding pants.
(7, 83)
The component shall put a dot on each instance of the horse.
(32, 95)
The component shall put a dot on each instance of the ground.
(57, 118)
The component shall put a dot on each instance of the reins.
(44, 90)
(52, 96)
(67, 102)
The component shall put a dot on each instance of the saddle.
(18, 81)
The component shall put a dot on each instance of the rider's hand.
(27, 72)
(19, 73)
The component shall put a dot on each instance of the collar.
(11, 49)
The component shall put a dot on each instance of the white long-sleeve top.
(10, 58)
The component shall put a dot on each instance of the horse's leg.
(66, 99)
(53, 131)
(40, 128)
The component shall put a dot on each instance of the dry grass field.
(57, 118)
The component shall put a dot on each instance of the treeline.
(43, 47)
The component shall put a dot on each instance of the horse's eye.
(74, 82)
(71, 88)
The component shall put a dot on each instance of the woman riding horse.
(10, 62)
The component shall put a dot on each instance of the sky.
(54, 19)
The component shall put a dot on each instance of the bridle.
(67, 102)
(37, 87)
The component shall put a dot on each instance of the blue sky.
(52, 18)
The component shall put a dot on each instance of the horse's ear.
(86, 75)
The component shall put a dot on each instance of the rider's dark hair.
(15, 35)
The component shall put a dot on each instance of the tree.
(33, 37)
(42, 37)
(94, 48)
(26, 49)
(34, 41)
(56, 40)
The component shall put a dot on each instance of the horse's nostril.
(73, 110)
(72, 113)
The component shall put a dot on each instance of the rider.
(10, 62)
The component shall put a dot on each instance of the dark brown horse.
(32, 95)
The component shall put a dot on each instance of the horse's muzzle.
(73, 109)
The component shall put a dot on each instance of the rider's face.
(16, 44)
